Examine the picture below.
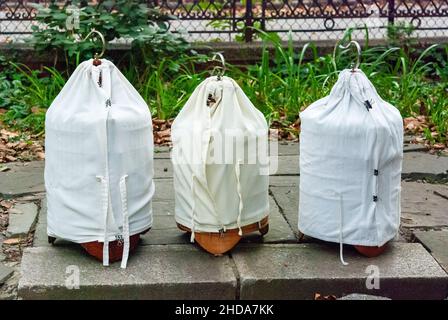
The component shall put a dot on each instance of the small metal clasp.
(119, 239)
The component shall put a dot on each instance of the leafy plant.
(31, 94)
(63, 28)
(167, 87)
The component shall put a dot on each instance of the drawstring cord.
(124, 206)
(341, 244)
(193, 208)
(105, 201)
(238, 190)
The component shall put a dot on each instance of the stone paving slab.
(22, 178)
(22, 218)
(26, 178)
(298, 271)
(436, 242)
(162, 152)
(421, 206)
(424, 164)
(165, 231)
(287, 198)
(279, 230)
(163, 168)
(5, 273)
(287, 165)
(284, 181)
(164, 190)
(40, 235)
(153, 272)
(287, 149)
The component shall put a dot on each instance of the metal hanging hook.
(97, 56)
(347, 46)
(219, 70)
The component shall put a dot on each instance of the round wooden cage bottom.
(218, 243)
(95, 248)
(371, 251)
(368, 251)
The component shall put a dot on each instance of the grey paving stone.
(40, 235)
(412, 147)
(5, 273)
(287, 165)
(164, 190)
(153, 272)
(287, 199)
(23, 178)
(22, 218)
(162, 207)
(417, 164)
(279, 230)
(165, 231)
(288, 149)
(283, 181)
(162, 152)
(298, 271)
(27, 178)
(421, 206)
(436, 242)
(163, 168)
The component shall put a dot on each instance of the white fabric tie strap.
(238, 190)
(105, 201)
(341, 244)
(124, 208)
(193, 208)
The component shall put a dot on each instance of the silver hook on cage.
(347, 46)
(219, 70)
(97, 56)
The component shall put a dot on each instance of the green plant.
(400, 34)
(125, 20)
(167, 87)
(33, 92)
(284, 82)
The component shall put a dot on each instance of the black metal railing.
(307, 19)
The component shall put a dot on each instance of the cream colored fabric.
(216, 189)
(99, 158)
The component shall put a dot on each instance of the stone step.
(406, 271)
(251, 271)
(153, 272)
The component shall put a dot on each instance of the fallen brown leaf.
(11, 241)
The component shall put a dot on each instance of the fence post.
(391, 12)
(249, 22)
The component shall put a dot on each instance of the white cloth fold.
(98, 131)
(208, 140)
(351, 145)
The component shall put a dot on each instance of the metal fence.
(221, 20)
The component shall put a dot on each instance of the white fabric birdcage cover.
(219, 153)
(99, 159)
(351, 150)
